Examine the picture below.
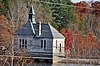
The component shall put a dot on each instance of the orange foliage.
(81, 8)
(68, 38)
(2, 20)
(80, 42)
(96, 5)
(5, 34)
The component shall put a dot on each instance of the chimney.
(40, 29)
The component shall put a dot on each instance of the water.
(49, 64)
(60, 64)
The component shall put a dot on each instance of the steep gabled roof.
(55, 33)
(47, 31)
(33, 29)
(24, 30)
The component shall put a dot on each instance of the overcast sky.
(83, 0)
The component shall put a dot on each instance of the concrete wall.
(57, 54)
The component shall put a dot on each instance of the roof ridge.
(55, 32)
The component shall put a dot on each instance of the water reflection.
(60, 64)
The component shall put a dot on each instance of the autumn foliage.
(84, 7)
(80, 45)
(89, 17)
(68, 38)
(5, 34)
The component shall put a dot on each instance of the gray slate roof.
(55, 33)
(47, 31)
(24, 30)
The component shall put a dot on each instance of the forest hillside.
(65, 16)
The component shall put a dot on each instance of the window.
(22, 43)
(43, 44)
(56, 44)
(25, 43)
(19, 43)
(60, 48)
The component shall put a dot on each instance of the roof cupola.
(32, 15)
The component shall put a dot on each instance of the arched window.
(60, 47)
(56, 44)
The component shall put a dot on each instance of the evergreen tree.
(62, 14)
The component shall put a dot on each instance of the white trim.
(32, 10)
(32, 28)
(40, 28)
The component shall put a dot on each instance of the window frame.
(60, 47)
(56, 44)
(23, 43)
(43, 44)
